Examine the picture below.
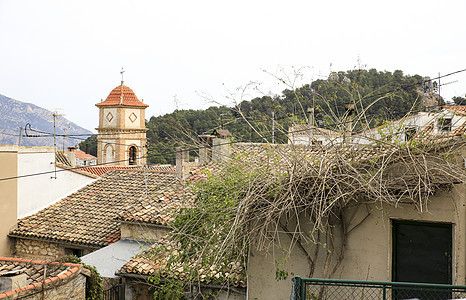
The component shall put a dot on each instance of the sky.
(67, 55)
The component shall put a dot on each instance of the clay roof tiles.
(154, 260)
(122, 95)
(100, 170)
(34, 270)
(86, 217)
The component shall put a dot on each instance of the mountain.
(15, 114)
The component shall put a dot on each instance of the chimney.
(14, 281)
(72, 156)
(183, 165)
(205, 150)
(220, 149)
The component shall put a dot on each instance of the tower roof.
(122, 95)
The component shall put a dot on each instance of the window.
(444, 124)
(74, 251)
(410, 132)
(132, 155)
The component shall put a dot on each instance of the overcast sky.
(68, 54)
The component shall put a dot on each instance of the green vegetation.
(329, 96)
(94, 286)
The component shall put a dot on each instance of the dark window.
(444, 124)
(132, 155)
(421, 253)
(74, 251)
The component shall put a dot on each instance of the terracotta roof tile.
(100, 170)
(34, 270)
(122, 95)
(79, 154)
(153, 260)
(86, 217)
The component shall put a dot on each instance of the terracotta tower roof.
(122, 95)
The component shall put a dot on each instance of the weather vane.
(121, 72)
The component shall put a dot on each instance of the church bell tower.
(121, 138)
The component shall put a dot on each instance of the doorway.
(422, 253)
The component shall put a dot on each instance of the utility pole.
(310, 112)
(349, 118)
(55, 115)
(273, 127)
(20, 135)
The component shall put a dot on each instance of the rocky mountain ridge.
(15, 114)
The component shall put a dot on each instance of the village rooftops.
(33, 278)
(87, 217)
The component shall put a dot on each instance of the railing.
(333, 289)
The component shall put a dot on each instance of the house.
(407, 224)
(303, 134)
(33, 178)
(137, 272)
(141, 223)
(78, 157)
(444, 122)
(84, 221)
(34, 279)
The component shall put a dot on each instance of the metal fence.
(332, 289)
(115, 292)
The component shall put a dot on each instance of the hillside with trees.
(384, 95)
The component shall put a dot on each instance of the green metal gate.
(334, 289)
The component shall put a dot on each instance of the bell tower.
(121, 138)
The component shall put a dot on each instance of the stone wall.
(38, 249)
(41, 250)
(72, 287)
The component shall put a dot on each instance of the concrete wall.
(8, 197)
(38, 192)
(368, 254)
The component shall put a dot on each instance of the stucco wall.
(38, 192)
(8, 196)
(368, 254)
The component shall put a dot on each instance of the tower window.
(132, 155)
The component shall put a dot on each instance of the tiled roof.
(456, 108)
(34, 270)
(100, 170)
(122, 95)
(79, 154)
(86, 217)
(159, 208)
(153, 260)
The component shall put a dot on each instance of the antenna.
(55, 115)
(121, 72)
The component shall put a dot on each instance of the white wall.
(40, 191)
